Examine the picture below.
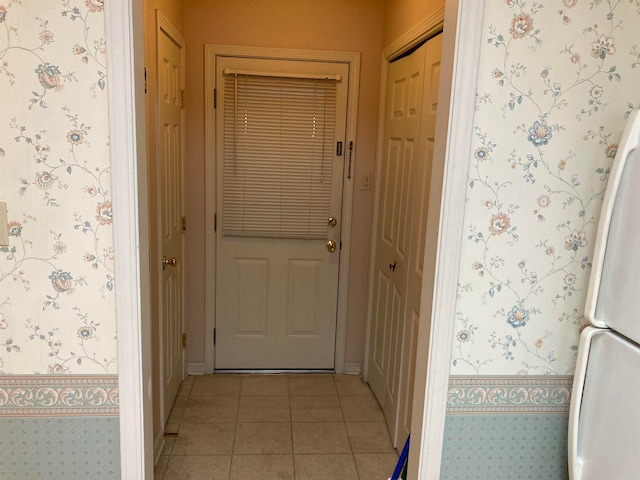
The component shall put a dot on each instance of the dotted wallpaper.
(83, 448)
(505, 447)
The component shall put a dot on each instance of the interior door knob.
(331, 246)
(172, 262)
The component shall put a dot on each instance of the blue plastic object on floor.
(402, 461)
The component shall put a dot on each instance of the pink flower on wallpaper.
(95, 5)
(499, 224)
(521, 25)
(105, 214)
(44, 180)
(62, 281)
(50, 76)
(603, 47)
(15, 229)
(611, 150)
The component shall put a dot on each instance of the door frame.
(210, 54)
(125, 58)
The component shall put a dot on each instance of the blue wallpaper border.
(520, 394)
(58, 396)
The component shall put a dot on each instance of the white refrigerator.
(604, 420)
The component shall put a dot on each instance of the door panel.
(419, 221)
(171, 126)
(276, 298)
(404, 192)
(401, 141)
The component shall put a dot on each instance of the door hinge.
(184, 224)
(145, 79)
(182, 95)
(184, 340)
(215, 98)
(215, 222)
(214, 336)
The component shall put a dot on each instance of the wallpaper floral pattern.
(57, 313)
(558, 78)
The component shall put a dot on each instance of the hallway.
(250, 427)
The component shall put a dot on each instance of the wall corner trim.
(424, 30)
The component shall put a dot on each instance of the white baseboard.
(195, 368)
(352, 368)
(158, 446)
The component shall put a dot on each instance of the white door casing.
(276, 308)
(170, 75)
(446, 209)
(352, 61)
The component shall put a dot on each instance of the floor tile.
(265, 385)
(320, 438)
(198, 468)
(261, 409)
(314, 402)
(359, 408)
(204, 439)
(262, 438)
(369, 437)
(185, 387)
(211, 409)
(375, 466)
(323, 467)
(351, 385)
(160, 467)
(217, 384)
(169, 442)
(316, 384)
(316, 415)
(262, 467)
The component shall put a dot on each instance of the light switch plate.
(4, 227)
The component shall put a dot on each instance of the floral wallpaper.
(557, 80)
(57, 313)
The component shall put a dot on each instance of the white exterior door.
(276, 276)
(399, 242)
(170, 139)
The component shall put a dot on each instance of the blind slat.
(278, 152)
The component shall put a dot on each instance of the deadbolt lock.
(331, 246)
(332, 221)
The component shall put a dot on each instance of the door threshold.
(273, 371)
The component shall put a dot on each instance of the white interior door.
(170, 138)
(418, 233)
(277, 279)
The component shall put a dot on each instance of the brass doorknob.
(172, 262)
(331, 246)
(332, 221)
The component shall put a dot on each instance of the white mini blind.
(278, 155)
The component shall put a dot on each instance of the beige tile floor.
(264, 427)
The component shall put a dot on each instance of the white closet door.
(393, 233)
(418, 234)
